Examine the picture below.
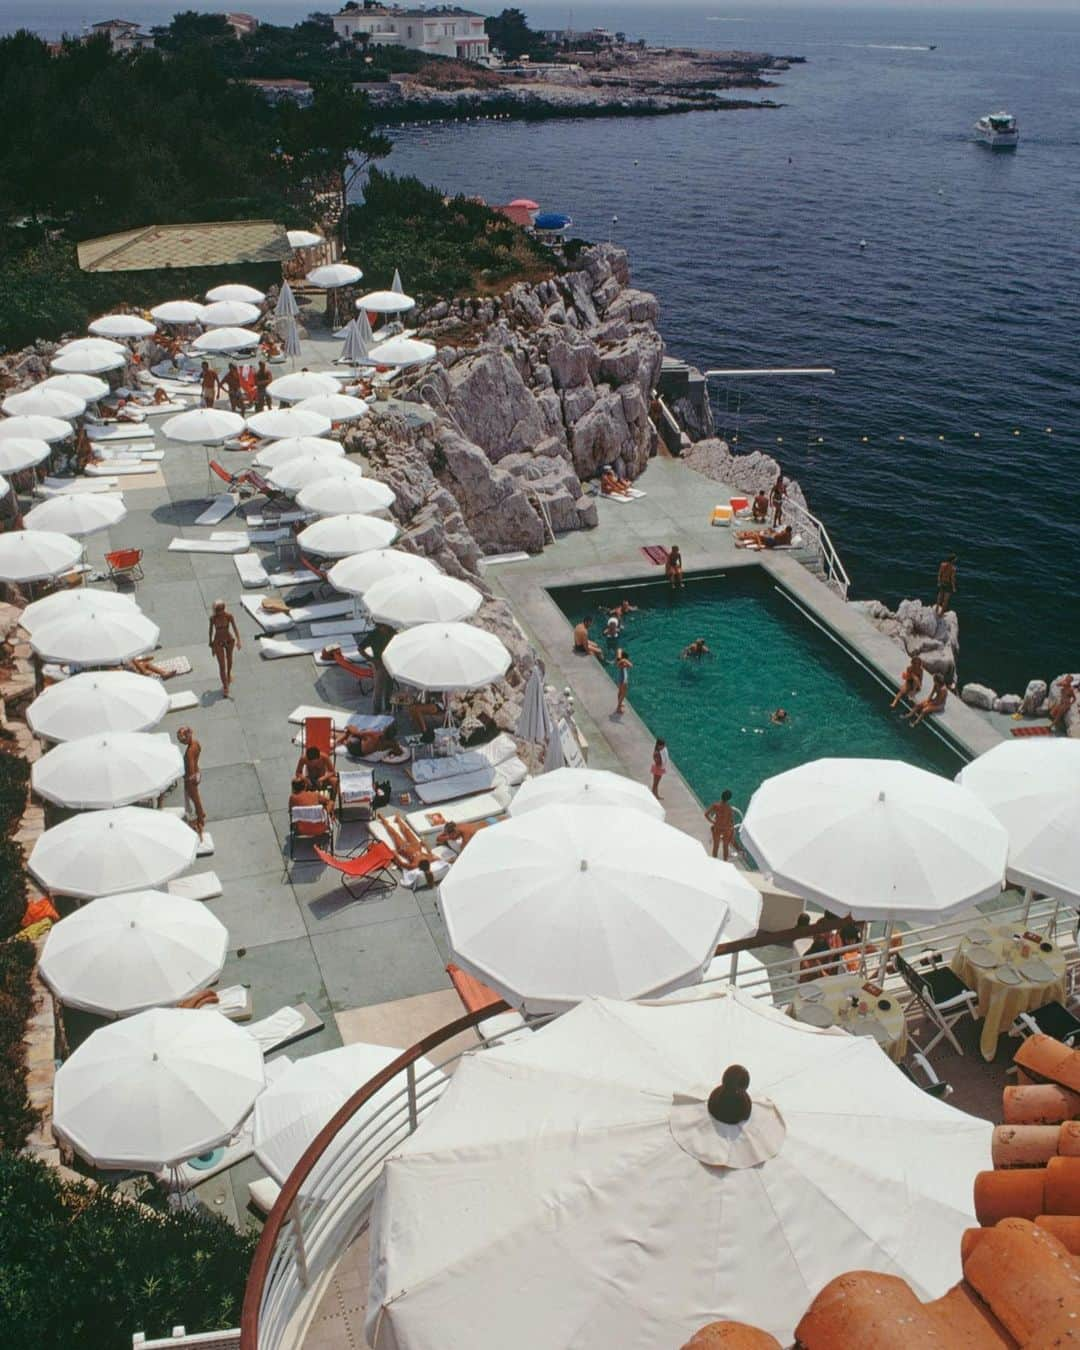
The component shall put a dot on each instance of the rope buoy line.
(865, 440)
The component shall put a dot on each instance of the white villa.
(444, 30)
(124, 35)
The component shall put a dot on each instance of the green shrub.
(79, 1266)
(17, 1117)
(14, 782)
(12, 888)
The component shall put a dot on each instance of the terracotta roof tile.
(1065, 1227)
(1007, 1195)
(731, 1336)
(1025, 1276)
(1044, 1058)
(1041, 1105)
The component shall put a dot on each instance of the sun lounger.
(230, 537)
(123, 454)
(356, 794)
(263, 1193)
(120, 431)
(294, 578)
(412, 877)
(461, 785)
(208, 545)
(486, 806)
(269, 621)
(173, 665)
(349, 650)
(329, 609)
(257, 520)
(163, 409)
(250, 570)
(339, 717)
(448, 766)
(183, 700)
(120, 468)
(343, 625)
(367, 871)
(201, 886)
(269, 536)
(494, 559)
(234, 1002)
(205, 846)
(64, 487)
(219, 508)
(282, 1028)
(277, 648)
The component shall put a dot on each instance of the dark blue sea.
(952, 423)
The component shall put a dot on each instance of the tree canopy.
(510, 34)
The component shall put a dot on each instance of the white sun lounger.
(71, 487)
(329, 609)
(341, 626)
(218, 509)
(161, 409)
(230, 537)
(349, 650)
(285, 1026)
(207, 546)
(339, 716)
(448, 766)
(493, 803)
(460, 785)
(121, 431)
(258, 520)
(268, 620)
(201, 886)
(269, 536)
(276, 649)
(122, 454)
(294, 578)
(114, 468)
(250, 570)
(185, 699)
(411, 877)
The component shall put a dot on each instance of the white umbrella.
(298, 472)
(295, 1107)
(33, 555)
(35, 429)
(97, 701)
(107, 769)
(302, 384)
(367, 337)
(177, 311)
(86, 360)
(95, 636)
(295, 447)
(78, 515)
(70, 603)
(41, 402)
(277, 423)
(351, 498)
(292, 342)
(534, 722)
(385, 302)
(5, 488)
(22, 452)
(94, 344)
(585, 787)
(225, 340)
(303, 238)
(333, 275)
(403, 602)
(121, 954)
(396, 284)
(584, 1165)
(353, 575)
(876, 839)
(343, 536)
(338, 407)
(105, 852)
(228, 314)
(121, 326)
(553, 752)
(446, 656)
(355, 349)
(286, 307)
(401, 351)
(559, 903)
(203, 426)
(233, 290)
(157, 1088)
(87, 387)
(1033, 789)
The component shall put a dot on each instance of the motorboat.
(998, 130)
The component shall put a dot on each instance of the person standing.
(210, 384)
(263, 376)
(224, 638)
(192, 779)
(946, 583)
(776, 497)
(383, 684)
(673, 568)
(623, 667)
(234, 388)
(721, 817)
(660, 762)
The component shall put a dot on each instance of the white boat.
(998, 130)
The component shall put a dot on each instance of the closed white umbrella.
(302, 384)
(355, 349)
(584, 1165)
(291, 339)
(78, 515)
(106, 852)
(33, 555)
(355, 574)
(234, 290)
(95, 637)
(401, 351)
(297, 473)
(203, 426)
(41, 402)
(585, 787)
(351, 498)
(396, 284)
(560, 903)
(121, 326)
(97, 701)
(403, 602)
(343, 536)
(22, 452)
(385, 302)
(226, 340)
(333, 275)
(338, 407)
(1033, 789)
(177, 311)
(286, 307)
(5, 488)
(155, 1089)
(87, 387)
(228, 314)
(121, 954)
(72, 360)
(277, 423)
(107, 769)
(534, 722)
(94, 344)
(876, 839)
(70, 603)
(297, 447)
(303, 238)
(446, 656)
(47, 429)
(553, 753)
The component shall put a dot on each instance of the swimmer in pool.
(779, 717)
(696, 650)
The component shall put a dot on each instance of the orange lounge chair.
(474, 994)
(364, 675)
(310, 822)
(369, 869)
(125, 564)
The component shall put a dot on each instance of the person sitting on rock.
(759, 511)
(1059, 711)
(933, 703)
(910, 681)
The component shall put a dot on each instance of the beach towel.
(656, 553)
(121, 468)
(294, 578)
(448, 766)
(1031, 731)
(120, 431)
(630, 495)
(70, 487)
(268, 620)
(497, 751)
(173, 665)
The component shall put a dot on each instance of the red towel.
(656, 553)
(1032, 731)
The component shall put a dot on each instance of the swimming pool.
(766, 654)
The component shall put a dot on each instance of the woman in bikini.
(224, 639)
(910, 681)
(623, 667)
(673, 568)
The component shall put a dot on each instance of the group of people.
(244, 386)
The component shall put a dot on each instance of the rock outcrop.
(921, 631)
(749, 473)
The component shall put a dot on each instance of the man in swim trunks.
(1059, 711)
(263, 376)
(910, 681)
(192, 778)
(946, 583)
(303, 794)
(318, 769)
(696, 650)
(209, 384)
(759, 511)
(776, 495)
(779, 717)
(721, 817)
(582, 642)
(456, 836)
(933, 703)
(765, 538)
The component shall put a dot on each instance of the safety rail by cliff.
(833, 570)
(668, 428)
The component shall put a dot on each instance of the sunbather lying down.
(361, 744)
(765, 538)
(410, 851)
(611, 484)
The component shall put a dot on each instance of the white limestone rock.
(1034, 698)
(492, 404)
(979, 696)
(1008, 703)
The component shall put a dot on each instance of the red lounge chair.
(125, 564)
(301, 828)
(319, 731)
(371, 868)
(364, 675)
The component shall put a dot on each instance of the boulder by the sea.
(1034, 698)
(979, 696)
(1007, 703)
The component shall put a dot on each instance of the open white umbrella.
(401, 351)
(331, 276)
(105, 852)
(22, 452)
(35, 429)
(338, 407)
(33, 555)
(876, 839)
(42, 402)
(226, 340)
(1033, 789)
(559, 903)
(585, 787)
(355, 574)
(385, 302)
(121, 954)
(360, 498)
(121, 326)
(277, 423)
(177, 311)
(303, 238)
(86, 360)
(286, 307)
(95, 636)
(87, 387)
(228, 314)
(446, 656)
(203, 426)
(298, 472)
(355, 349)
(585, 1165)
(302, 384)
(343, 536)
(295, 1107)
(107, 769)
(97, 701)
(403, 602)
(70, 603)
(235, 291)
(157, 1088)
(94, 344)
(78, 515)
(297, 447)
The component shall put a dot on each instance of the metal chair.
(1050, 1020)
(943, 997)
(932, 1085)
(125, 564)
(368, 870)
(311, 823)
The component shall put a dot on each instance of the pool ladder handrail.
(835, 573)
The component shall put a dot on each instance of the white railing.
(835, 573)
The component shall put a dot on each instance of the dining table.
(857, 1006)
(1010, 973)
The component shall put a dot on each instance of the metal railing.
(835, 573)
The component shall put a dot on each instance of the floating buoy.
(1016, 433)
(978, 435)
(899, 438)
(1049, 431)
(941, 438)
(779, 440)
(862, 243)
(865, 439)
(821, 440)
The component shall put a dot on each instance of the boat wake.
(888, 47)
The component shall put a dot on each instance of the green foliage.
(82, 1267)
(17, 1116)
(12, 887)
(510, 34)
(14, 782)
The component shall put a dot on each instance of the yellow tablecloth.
(886, 1025)
(1001, 1002)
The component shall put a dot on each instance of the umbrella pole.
(1029, 895)
(886, 948)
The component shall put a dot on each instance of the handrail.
(835, 572)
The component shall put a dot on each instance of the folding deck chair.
(363, 674)
(367, 871)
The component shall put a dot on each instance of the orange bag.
(36, 910)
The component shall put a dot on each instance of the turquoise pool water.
(765, 654)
